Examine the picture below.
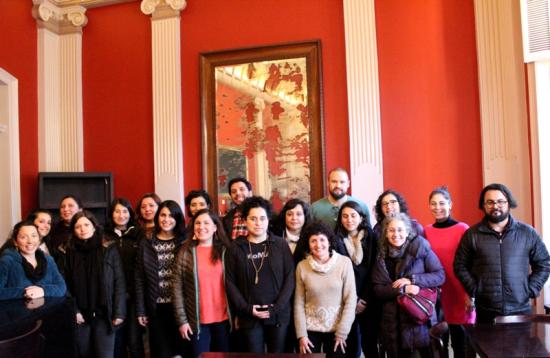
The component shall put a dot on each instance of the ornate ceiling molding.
(61, 20)
(160, 9)
(88, 4)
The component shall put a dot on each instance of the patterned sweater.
(325, 296)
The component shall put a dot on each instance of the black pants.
(363, 335)
(486, 316)
(324, 341)
(129, 338)
(265, 335)
(164, 337)
(95, 338)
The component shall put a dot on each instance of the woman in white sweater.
(325, 297)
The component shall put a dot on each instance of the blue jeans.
(261, 335)
(213, 337)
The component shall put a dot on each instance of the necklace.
(257, 269)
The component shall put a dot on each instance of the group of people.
(316, 278)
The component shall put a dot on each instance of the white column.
(167, 126)
(502, 97)
(60, 133)
(363, 100)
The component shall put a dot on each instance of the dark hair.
(340, 230)
(18, 226)
(126, 203)
(503, 189)
(34, 214)
(238, 180)
(316, 228)
(219, 240)
(196, 194)
(403, 207)
(75, 198)
(384, 244)
(88, 215)
(289, 205)
(441, 190)
(175, 212)
(255, 202)
(153, 196)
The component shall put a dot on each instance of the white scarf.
(354, 248)
(322, 268)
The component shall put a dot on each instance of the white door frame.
(12, 130)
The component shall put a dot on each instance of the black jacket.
(127, 246)
(112, 279)
(238, 283)
(494, 268)
(147, 277)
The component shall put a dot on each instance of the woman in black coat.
(356, 240)
(405, 264)
(95, 278)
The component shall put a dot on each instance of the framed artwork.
(262, 119)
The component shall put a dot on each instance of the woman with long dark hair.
(95, 278)
(153, 277)
(357, 241)
(199, 296)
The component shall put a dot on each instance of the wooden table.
(261, 355)
(530, 339)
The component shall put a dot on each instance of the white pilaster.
(363, 100)
(502, 97)
(60, 133)
(167, 127)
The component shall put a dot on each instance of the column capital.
(160, 9)
(60, 20)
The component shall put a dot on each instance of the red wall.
(429, 102)
(220, 24)
(117, 103)
(428, 88)
(18, 57)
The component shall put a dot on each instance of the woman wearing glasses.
(389, 204)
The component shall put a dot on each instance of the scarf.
(322, 268)
(354, 247)
(86, 271)
(35, 274)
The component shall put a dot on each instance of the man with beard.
(493, 258)
(326, 209)
(234, 224)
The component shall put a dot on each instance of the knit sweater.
(325, 296)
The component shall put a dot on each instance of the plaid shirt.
(239, 226)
